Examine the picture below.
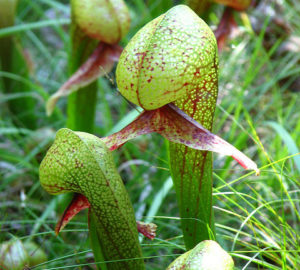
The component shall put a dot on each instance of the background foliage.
(258, 112)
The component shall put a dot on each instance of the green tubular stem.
(193, 185)
(82, 109)
(81, 104)
(191, 169)
(94, 240)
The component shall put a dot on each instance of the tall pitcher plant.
(173, 60)
(170, 69)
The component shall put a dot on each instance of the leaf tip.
(78, 203)
(244, 161)
(57, 228)
(51, 104)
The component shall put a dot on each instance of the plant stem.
(81, 110)
(191, 169)
(94, 240)
(81, 104)
(193, 185)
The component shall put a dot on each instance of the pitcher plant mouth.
(176, 126)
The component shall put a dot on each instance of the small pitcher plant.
(81, 163)
(207, 255)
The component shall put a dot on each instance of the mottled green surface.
(164, 59)
(208, 255)
(174, 59)
(105, 20)
(80, 162)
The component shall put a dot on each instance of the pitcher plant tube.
(96, 28)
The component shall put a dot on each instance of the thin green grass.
(30, 26)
